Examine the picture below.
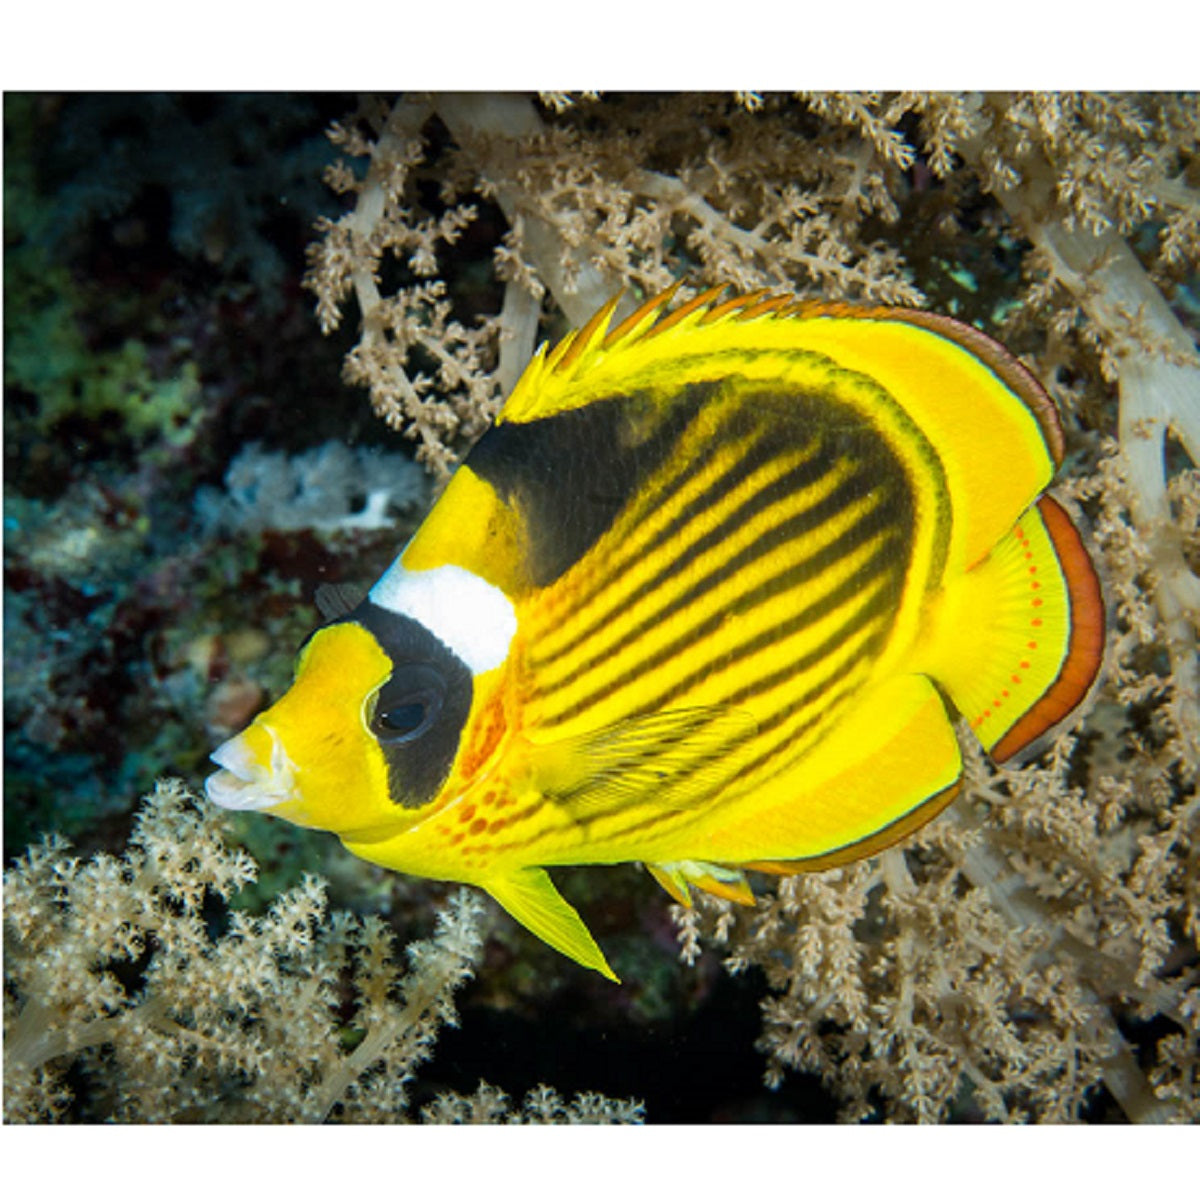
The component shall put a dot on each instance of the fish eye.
(408, 704)
(406, 719)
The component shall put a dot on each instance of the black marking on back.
(418, 764)
(572, 473)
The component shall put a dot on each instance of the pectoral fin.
(336, 600)
(530, 897)
(676, 760)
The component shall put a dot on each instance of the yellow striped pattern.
(761, 572)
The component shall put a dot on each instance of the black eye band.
(418, 715)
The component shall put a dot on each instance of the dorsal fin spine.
(589, 336)
(695, 304)
(732, 305)
(761, 308)
(642, 318)
(559, 351)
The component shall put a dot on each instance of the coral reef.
(222, 169)
(1037, 946)
(329, 487)
(135, 372)
(134, 993)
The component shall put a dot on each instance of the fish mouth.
(249, 779)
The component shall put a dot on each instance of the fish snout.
(256, 771)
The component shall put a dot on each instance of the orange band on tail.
(1086, 648)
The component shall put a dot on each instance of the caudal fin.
(1024, 637)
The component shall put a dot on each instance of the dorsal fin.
(1014, 374)
(580, 348)
(337, 600)
(963, 391)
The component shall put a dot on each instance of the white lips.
(245, 783)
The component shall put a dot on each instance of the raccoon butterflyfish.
(709, 595)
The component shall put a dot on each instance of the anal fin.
(889, 835)
(529, 896)
(1021, 635)
(890, 767)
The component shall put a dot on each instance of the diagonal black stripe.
(877, 563)
(831, 702)
(755, 457)
(802, 475)
(798, 573)
(871, 644)
(880, 602)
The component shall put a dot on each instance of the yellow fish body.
(707, 596)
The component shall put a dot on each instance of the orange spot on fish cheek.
(490, 728)
(477, 827)
(467, 813)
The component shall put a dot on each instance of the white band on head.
(470, 616)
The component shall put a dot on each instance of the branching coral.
(542, 1106)
(585, 218)
(114, 974)
(1038, 943)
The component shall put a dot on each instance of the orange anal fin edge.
(881, 840)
